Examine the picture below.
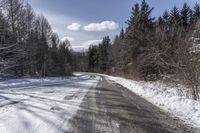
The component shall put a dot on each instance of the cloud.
(103, 26)
(91, 42)
(68, 38)
(74, 26)
(84, 46)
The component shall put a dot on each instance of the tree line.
(153, 49)
(166, 48)
(28, 46)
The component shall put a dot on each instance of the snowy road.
(80, 104)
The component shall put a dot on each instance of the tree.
(104, 51)
(196, 13)
(31, 58)
(185, 15)
(146, 21)
(134, 19)
(59, 59)
(15, 16)
(139, 30)
(166, 20)
(28, 44)
(93, 58)
(175, 17)
(121, 34)
(44, 33)
(119, 53)
(41, 55)
(8, 48)
(66, 58)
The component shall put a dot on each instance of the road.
(111, 108)
(86, 103)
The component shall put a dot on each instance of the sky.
(85, 22)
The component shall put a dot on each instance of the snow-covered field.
(41, 105)
(165, 97)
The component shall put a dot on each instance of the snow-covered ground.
(41, 105)
(167, 98)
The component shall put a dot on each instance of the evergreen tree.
(175, 17)
(192, 19)
(134, 19)
(121, 35)
(66, 58)
(104, 57)
(140, 25)
(185, 15)
(146, 21)
(165, 16)
(166, 20)
(196, 11)
(161, 22)
(32, 40)
(93, 58)
(41, 55)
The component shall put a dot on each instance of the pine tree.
(175, 17)
(185, 15)
(93, 58)
(134, 19)
(165, 16)
(41, 56)
(161, 22)
(166, 19)
(196, 14)
(121, 35)
(146, 21)
(141, 24)
(66, 59)
(104, 57)
(192, 19)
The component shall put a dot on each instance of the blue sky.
(87, 21)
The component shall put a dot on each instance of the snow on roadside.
(40, 106)
(24, 82)
(165, 97)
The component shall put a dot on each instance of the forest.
(28, 45)
(150, 49)
(164, 48)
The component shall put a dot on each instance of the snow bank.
(16, 83)
(165, 97)
(37, 108)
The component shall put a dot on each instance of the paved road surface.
(111, 108)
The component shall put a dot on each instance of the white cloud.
(84, 46)
(103, 26)
(91, 42)
(68, 38)
(74, 26)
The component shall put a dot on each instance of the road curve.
(111, 108)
